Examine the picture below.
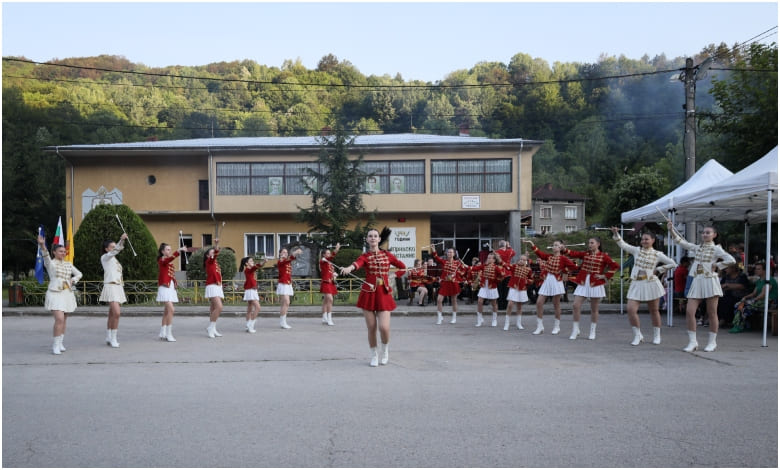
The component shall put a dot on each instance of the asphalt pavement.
(451, 396)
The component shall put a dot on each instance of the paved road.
(452, 396)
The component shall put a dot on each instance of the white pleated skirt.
(214, 290)
(551, 287)
(167, 293)
(284, 289)
(590, 292)
(64, 301)
(705, 287)
(644, 291)
(251, 294)
(515, 295)
(113, 293)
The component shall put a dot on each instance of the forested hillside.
(602, 122)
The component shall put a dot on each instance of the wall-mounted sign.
(469, 202)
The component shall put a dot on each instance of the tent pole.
(767, 267)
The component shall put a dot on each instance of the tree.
(101, 224)
(226, 260)
(632, 191)
(337, 196)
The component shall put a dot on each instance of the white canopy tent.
(750, 195)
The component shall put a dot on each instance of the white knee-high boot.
(520, 321)
(454, 317)
(638, 338)
(656, 335)
(384, 353)
(439, 318)
(479, 319)
(495, 319)
(55, 348)
(693, 345)
(539, 326)
(592, 334)
(506, 322)
(556, 327)
(169, 333)
(575, 330)
(374, 358)
(112, 341)
(711, 344)
(330, 319)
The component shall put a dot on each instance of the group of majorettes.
(376, 294)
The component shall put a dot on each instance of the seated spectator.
(749, 311)
(735, 285)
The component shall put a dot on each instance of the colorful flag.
(39, 258)
(59, 239)
(69, 243)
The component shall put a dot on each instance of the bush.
(226, 259)
(101, 224)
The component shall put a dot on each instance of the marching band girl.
(59, 296)
(520, 275)
(555, 268)
(645, 286)
(328, 287)
(249, 267)
(590, 282)
(113, 291)
(214, 290)
(490, 275)
(166, 287)
(706, 282)
(418, 277)
(284, 287)
(451, 271)
(376, 293)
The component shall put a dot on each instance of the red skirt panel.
(449, 288)
(328, 288)
(376, 301)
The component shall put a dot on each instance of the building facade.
(462, 191)
(557, 210)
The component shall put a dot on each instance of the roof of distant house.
(549, 193)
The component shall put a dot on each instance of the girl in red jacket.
(284, 287)
(166, 288)
(521, 275)
(555, 268)
(249, 267)
(490, 275)
(328, 287)
(213, 288)
(595, 269)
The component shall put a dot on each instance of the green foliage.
(226, 259)
(101, 224)
(634, 190)
(337, 198)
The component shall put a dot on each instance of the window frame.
(462, 178)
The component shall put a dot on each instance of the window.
(205, 239)
(545, 229)
(243, 179)
(545, 212)
(471, 176)
(203, 195)
(259, 243)
(287, 238)
(570, 228)
(570, 212)
(395, 177)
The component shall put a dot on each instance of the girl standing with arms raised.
(214, 291)
(166, 287)
(376, 294)
(328, 287)
(113, 291)
(555, 268)
(60, 299)
(520, 275)
(594, 271)
(451, 271)
(249, 268)
(706, 282)
(645, 285)
(284, 287)
(490, 275)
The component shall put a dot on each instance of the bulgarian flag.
(59, 239)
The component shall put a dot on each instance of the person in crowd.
(60, 299)
(596, 268)
(284, 285)
(452, 270)
(251, 297)
(484, 252)
(328, 287)
(166, 287)
(505, 254)
(418, 292)
(433, 279)
(645, 284)
(376, 294)
(555, 269)
(752, 305)
(735, 286)
(680, 281)
(706, 283)
(113, 291)
(214, 290)
(520, 275)
(490, 275)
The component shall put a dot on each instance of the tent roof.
(741, 197)
(708, 176)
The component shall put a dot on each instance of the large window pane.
(471, 176)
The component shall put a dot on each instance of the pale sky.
(424, 41)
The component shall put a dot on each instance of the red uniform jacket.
(213, 271)
(593, 264)
(285, 270)
(326, 269)
(417, 277)
(521, 276)
(506, 255)
(492, 273)
(250, 281)
(166, 273)
(556, 265)
(452, 271)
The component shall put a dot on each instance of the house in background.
(557, 210)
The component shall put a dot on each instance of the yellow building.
(463, 191)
